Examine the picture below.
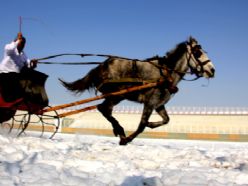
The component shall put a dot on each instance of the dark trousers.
(10, 88)
(29, 84)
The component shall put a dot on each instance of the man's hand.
(19, 36)
(33, 63)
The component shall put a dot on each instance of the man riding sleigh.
(18, 80)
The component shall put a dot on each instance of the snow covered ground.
(96, 161)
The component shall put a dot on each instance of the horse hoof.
(123, 141)
(119, 132)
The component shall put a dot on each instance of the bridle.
(194, 54)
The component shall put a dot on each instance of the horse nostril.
(213, 71)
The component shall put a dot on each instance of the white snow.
(97, 161)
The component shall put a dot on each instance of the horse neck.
(180, 69)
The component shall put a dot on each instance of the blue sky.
(136, 29)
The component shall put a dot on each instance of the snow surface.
(97, 161)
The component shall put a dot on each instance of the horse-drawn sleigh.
(151, 82)
(30, 100)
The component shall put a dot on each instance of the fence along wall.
(179, 110)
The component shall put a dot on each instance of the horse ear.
(192, 40)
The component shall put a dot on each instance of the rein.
(69, 63)
(81, 55)
(181, 73)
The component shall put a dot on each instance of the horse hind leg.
(163, 113)
(106, 109)
(147, 111)
(145, 123)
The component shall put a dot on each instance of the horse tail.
(90, 81)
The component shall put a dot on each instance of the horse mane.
(174, 55)
(171, 57)
(152, 58)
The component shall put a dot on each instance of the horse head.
(198, 60)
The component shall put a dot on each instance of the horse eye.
(197, 47)
(197, 53)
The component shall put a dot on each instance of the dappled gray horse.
(186, 57)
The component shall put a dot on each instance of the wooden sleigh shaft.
(123, 91)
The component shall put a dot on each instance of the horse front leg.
(163, 113)
(106, 109)
(147, 111)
